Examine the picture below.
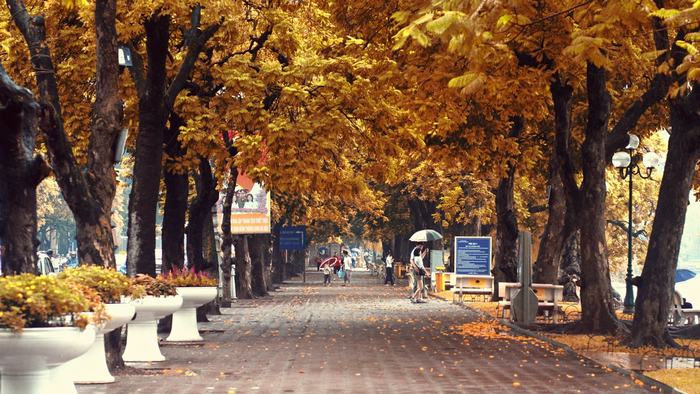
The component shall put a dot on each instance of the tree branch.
(194, 47)
(656, 92)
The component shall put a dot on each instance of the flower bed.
(156, 287)
(28, 301)
(109, 284)
(188, 278)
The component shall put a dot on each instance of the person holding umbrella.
(419, 272)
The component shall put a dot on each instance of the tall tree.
(89, 193)
(157, 97)
(658, 275)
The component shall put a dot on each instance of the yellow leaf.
(690, 48)
(462, 80)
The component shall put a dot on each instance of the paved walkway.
(365, 338)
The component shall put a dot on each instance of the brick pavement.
(365, 338)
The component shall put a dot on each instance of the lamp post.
(628, 167)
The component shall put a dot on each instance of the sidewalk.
(364, 338)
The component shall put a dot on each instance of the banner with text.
(472, 255)
(250, 212)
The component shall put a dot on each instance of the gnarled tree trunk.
(658, 275)
(20, 174)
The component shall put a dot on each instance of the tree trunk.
(546, 268)
(143, 199)
(211, 257)
(244, 287)
(199, 210)
(506, 269)
(20, 174)
(570, 267)
(655, 292)
(257, 256)
(598, 312)
(227, 243)
(176, 192)
(560, 223)
(267, 256)
(279, 273)
(209, 240)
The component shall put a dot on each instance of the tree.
(509, 33)
(658, 275)
(156, 99)
(89, 194)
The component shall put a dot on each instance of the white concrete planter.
(184, 327)
(91, 367)
(27, 358)
(142, 332)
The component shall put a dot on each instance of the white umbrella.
(425, 236)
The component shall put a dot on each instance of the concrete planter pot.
(142, 331)
(184, 327)
(28, 358)
(91, 367)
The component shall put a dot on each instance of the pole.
(629, 291)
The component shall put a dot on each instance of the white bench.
(472, 285)
(548, 296)
(679, 316)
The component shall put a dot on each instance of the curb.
(663, 387)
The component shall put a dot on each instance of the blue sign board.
(473, 255)
(293, 238)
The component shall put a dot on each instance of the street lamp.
(628, 167)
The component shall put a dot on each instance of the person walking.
(420, 272)
(347, 267)
(389, 264)
(411, 271)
